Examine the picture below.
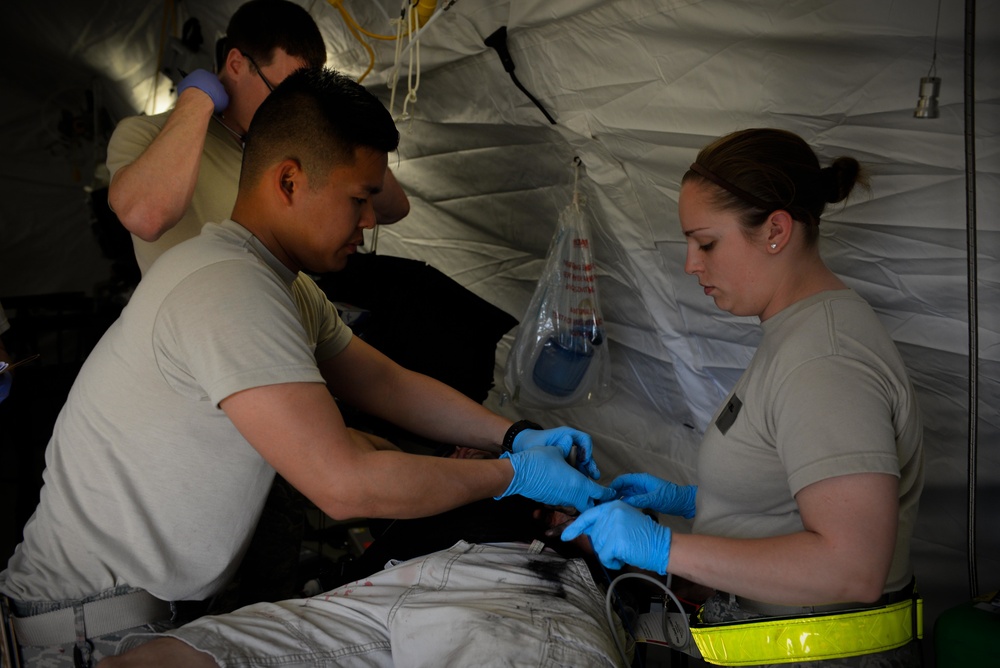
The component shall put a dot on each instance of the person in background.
(218, 374)
(810, 473)
(173, 172)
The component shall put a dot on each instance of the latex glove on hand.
(643, 490)
(209, 84)
(542, 474)
(5, 381)
(563, 438)
(623, 535)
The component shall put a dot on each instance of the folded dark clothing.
(507, 520)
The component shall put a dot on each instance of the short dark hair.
(778, 168)
(318, 117)
(260, 26)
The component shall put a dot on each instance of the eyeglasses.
(260, 73)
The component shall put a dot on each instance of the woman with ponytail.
(810, 472)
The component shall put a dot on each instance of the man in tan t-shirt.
(173, 172)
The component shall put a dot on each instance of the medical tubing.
(425, 9)
(339, 6)
(970, 228)
(355, 30)
(666, 590)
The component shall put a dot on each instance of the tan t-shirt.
(214, 193)
(147, 482)
(825, 395)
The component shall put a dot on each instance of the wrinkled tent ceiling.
(635, 87)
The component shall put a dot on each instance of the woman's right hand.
(644, 490)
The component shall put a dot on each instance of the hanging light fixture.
(927, 103)
(930, 85)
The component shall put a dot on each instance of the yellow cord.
(339, 4)
(423, 9)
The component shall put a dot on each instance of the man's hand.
(563, 438)
(643, 490)
(207, 83)
(623, 535)
(542, 474)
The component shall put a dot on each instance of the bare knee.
(162, 652)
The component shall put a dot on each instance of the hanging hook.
(577, 164)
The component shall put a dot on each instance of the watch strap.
(513, 431)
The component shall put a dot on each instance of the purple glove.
(563, 438)
(543, 475)
(5, 380)
(623, 535)
(643, 490)
(207, 83)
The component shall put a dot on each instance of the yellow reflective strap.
(828, 636)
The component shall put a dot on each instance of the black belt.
(775, 610)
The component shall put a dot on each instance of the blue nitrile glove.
(207, 83)
(543, 475)
(5, 380)
(644, 490)
(563, 438)
(623, 535)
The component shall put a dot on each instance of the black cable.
(498, 41)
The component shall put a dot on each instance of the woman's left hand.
(623, 535)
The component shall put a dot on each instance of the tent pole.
(970, 213)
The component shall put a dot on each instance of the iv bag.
(560, 354)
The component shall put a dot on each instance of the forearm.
(371, 382)
(391, 484)
(298, 430)
(152, 193)
(434, 410)
(796, 569)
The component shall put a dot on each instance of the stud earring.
(774, 246)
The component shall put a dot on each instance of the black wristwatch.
(513, 431)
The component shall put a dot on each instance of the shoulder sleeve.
(229, 327)
(833, 416)
(320, 318)
(130, 138)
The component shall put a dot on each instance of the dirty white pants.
(469, 605)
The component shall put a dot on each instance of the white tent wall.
(636, 88)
